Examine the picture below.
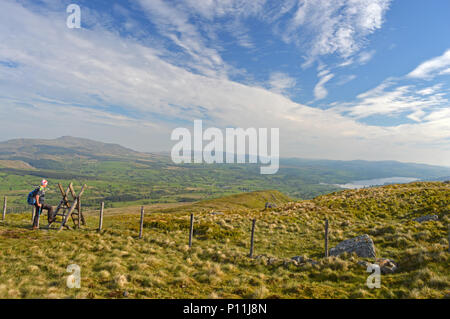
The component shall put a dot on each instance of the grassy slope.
(33, 264)
(250, 200)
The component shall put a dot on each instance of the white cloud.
(445, 72)
(428, 106)
(431, 89)
(442, 114)
(175, 25)
(320, 27)
(280, 82)
(346, 78)
(211, 9)
(392, 99)
(334, 26)
(346, 62)
(320, 92)
(365, 56)
(417, 115)
(95, 84)
(193, 27)
(432, 67)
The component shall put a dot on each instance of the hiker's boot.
(35, 227)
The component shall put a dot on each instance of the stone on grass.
(298, 259)
(301, 259)
(426, 218)
(387, 266)
(362, 245)
(216, 213)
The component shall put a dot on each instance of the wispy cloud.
(445, 72)
(402, 97)
(320, 92)
(334, 26)
(345, 79)
(392, 99)
(280, 82)
(435, 66)
(365, 56)
(319, 28)
(430, 90)
(174, 23)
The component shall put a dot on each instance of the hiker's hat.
(44, 182)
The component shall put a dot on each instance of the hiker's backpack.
(31, 199)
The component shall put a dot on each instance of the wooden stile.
(67, 208)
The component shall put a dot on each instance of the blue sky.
(344, 79)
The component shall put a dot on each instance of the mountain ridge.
(69, 145)
(63, 144)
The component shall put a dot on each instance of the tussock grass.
(161, 265)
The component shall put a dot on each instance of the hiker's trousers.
(49, 210)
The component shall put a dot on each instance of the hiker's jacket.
(41, 192)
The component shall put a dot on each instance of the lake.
(377, 182)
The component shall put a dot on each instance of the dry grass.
(161, 265)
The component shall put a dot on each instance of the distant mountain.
(61, 153)
(51, 153)
(371, 169)
(62, 146)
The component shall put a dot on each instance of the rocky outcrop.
(426, 218)
(301, 259)
(362, 245)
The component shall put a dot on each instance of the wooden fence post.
(100, 222)
(252, 238)
(141, 228)
(191, 230)
(326, 237)
(5, 201)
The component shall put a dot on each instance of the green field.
(161, 265)
(121, 177)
